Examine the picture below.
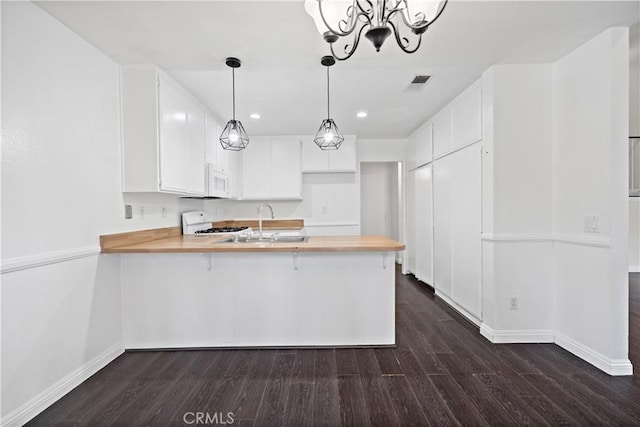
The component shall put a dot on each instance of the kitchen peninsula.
(198, 291)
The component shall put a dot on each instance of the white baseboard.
(463, 311)
(615, 367)
(517, 336)
(43, 400)
(634, 269)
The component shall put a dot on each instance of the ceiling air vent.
(417, 84)
(420, 80)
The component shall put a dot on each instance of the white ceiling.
(282, 79)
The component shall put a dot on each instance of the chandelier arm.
(368, 10)
(400, 42)
(353, 19)
(356, 40)
(425, 24)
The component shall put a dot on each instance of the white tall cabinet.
(163, 130)
(444, 196)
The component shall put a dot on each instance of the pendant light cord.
(233, 91)
(328, 114)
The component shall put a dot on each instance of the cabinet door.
(466, 218)
(256, 170)
(443, 170)
(424, 224)
(423, 145)
(173, 137)
(286, 169)
(410, 251)
(345, 158)
(467, 118)
(313, 158)
(235, 174)
(410, 152)
(442, 133)
(211, 139)
(195, 165)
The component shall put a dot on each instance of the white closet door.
(443, 171)
(424, 224)
(410, 250)
(467, 224)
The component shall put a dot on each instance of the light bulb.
(328, 137)
(233, 135)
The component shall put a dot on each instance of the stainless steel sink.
(274, 238)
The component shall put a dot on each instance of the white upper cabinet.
(195, 149)
(344, 159)
(442, 133)
(424, 144)
(271, 169)
(460, 123)
(410, 152)
(216, 155)
(163, 131)
(466, 114)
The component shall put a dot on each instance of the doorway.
(379, 199)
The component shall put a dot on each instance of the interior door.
(373, 187)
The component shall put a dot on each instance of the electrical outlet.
(324, 210)
(163, 211)
(141, 212)
(128, 212)
(513, 303)
(591, 224)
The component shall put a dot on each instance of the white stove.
(198, 223)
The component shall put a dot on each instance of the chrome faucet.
(260, 218)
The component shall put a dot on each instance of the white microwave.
(217, 182)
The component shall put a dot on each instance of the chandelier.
(347, 20)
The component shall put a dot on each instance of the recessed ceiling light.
(255, 116)
(362, 114)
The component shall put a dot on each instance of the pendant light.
(328, 136)
(233, 136)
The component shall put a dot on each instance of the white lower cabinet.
(163, 130)
(271, 169)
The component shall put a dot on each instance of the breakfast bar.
(191, 292)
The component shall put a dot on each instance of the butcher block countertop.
(170, 240)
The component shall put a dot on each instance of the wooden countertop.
(170, 241)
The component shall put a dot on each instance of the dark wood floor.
(442, 372)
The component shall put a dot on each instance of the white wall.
(634, 130)
(517, 203)
(634, 80)
(591, 102)
(61, 189)
(381, 150)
